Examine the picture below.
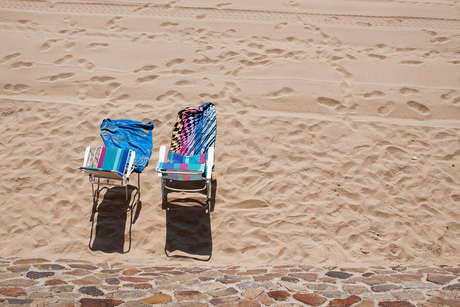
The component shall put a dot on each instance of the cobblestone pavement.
(44, 282)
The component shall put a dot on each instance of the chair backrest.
(113, 159)
(195, 130)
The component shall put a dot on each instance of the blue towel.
(126, 133)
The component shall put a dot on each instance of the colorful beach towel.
(126, 133)
(195, 130)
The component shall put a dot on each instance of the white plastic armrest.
(131, 161)
(87, 153)
(209, 162)
(161, 157)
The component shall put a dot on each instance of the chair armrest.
(87, 155)
(161, 157)
(132, 158)
(209, 162)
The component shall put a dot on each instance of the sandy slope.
(338, 128)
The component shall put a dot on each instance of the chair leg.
(163, 189)
(208, 188)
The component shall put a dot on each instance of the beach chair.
(191, 153)
(109, 166)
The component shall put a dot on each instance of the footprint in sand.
(431, 54)
(18, 65)
(17, 89)
(146, 68)
(174, 62)
(374, 94)
(386, 109)
(184, 83)
(150, 78)
(280, 26)
(97, 45)
(329, 102)
(104, 79)
(377, 56)
(285, 91)
(86, 64)
(411, 62)
(54, 78)
(169, 24)
(63, 60)
(111, 88)
(406, 91)
(10, 57)
(170, 95)
(440, 40)
(418, 107)
(70, 21)
(49, 44)
(123, 97)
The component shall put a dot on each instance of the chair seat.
(181, 171)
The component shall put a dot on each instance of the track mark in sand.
(317, 127)
(58, 77)
(112, 87)
(49, 44)
(440, 40)
(255, 46)
(18, 65)
(170, 95)
(70, 21)
(329, 102)
(184, 83)
(63, 60)
(406, 91)
(86, 64)
(123, 97)
(97, 45)
(280, 26)
(374, 94)
(431, 54)
(285, 91)
(146, 68)
(377, 56)
(17, 89)
(150, 78)
(222, 5)
(386, 109)
(418, 107)
(10, 58)
(169, 24)
(452, 97)
(183, 71)
(274, 51)
(104, 79)
(411, 62)
(174, 62)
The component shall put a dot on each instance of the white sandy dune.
(338, 129)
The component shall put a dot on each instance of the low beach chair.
(191, 153)
(109, 166)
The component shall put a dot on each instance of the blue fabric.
(126, 133)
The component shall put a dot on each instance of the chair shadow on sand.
(188, 223)
(112, 219)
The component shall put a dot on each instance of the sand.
(338, 129)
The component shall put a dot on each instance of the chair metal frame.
(207, 178)
(91, 160)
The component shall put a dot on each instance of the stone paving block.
(355, 289)
(12, 292)
(346, 302)
(279, 295)
(189, 295)
(93, 302)
(445, 302)
(31, 261)
(131, 272)
(91, 290)
(385, 288)
(18, 268)
(224, 292)
(439, 279)
(49, 266)
(305, 276)
(311, 299)
(338, 274)
(88, 280)
(409, 295)
(224, 300)
(454, 287)
(18, 283)
(247, 304)
(419, 285)
(396, 304)
(252, 294)
(38, 275)
(248, 285)
(157, 299)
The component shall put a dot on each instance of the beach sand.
(338, 129)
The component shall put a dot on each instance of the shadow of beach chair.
(191, 153)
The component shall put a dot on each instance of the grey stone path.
(64, 282)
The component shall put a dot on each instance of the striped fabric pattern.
(182, 171)
(195, 159)
(195, 130)
(112, 160)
